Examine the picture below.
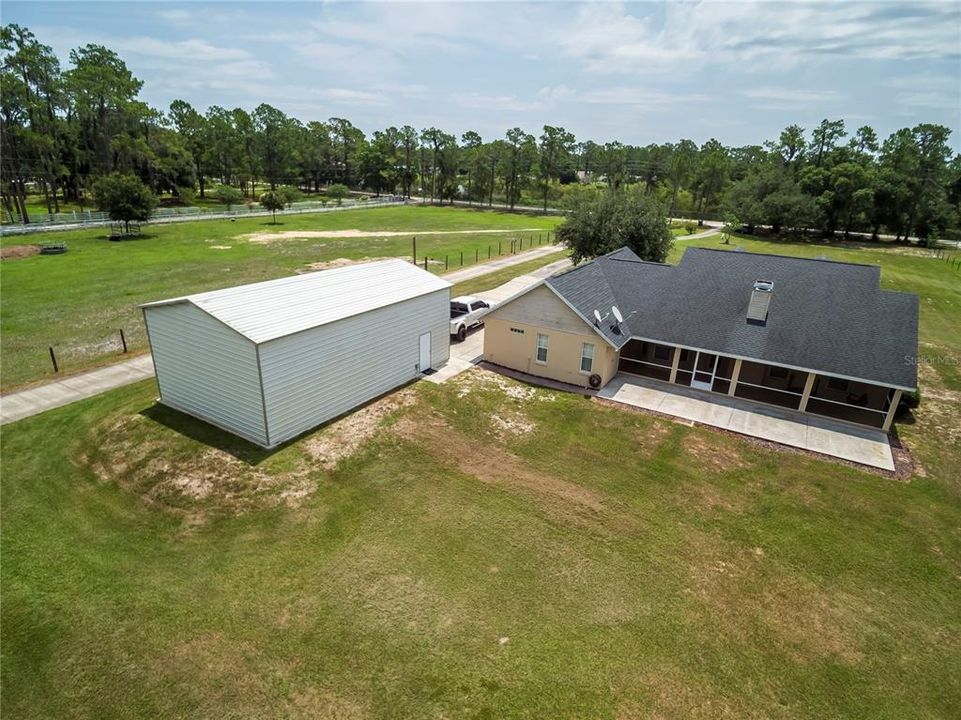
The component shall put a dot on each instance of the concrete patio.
(821, 435)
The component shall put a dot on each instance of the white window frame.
(538, 348)
(584, 355)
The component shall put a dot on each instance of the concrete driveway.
(820, 435)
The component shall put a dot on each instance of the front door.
(705, 365)
(424, 363)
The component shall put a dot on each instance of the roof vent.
(760, 300)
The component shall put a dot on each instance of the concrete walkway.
(490, 266)
(808, 432)
(25, 403)
(57, 393)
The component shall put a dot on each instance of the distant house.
(271, 360)
(815, 336)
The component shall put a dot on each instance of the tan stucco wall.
(540, 311)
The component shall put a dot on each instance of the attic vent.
(760, 300)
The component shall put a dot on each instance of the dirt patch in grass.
(744, 593)
(342, 438)
(486, 380)
(268, 237)
(559, 498)
(198, 484)
(15, 252)
(719, 456)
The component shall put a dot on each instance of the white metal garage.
(270, 360)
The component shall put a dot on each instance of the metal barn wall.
(318, 374)
(206, 369)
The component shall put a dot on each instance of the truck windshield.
(457, 309)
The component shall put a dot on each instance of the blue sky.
(634, 72)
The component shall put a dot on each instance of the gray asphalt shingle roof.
(824, 315)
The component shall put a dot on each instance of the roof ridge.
(786, 257)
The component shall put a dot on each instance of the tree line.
(63, 130)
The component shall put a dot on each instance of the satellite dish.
(597, 317)
(617, 314)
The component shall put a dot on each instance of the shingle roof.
(824, 315)
(268, 310)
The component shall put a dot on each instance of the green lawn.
(77, 302)
(484, 550)
(563, 560)
(499, 277)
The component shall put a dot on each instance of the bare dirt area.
(344, 437)
(268, 237)
(344, 262)
(198, 486)
(16, 252)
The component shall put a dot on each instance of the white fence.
(75, 220)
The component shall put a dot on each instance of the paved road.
(22, 404)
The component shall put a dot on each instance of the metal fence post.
(123, 340)
(462, 258)
(53, 359)
(425, 262)
(446, 265)
(415, 249)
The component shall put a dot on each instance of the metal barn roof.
(268, 310)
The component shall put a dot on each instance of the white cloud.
(481, 101)
(618, 38)
(346, 96)
(788, 95)
(176, 16)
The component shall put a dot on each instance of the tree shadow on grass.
(130, 238)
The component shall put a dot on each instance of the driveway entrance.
(788, 427)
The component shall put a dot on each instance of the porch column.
(734, 376)
(805, 396)
(889, 418)
(674, 364)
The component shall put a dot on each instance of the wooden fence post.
(425, 262)
(415, 250)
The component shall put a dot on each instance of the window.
(478, 305)
(541, 348)
(587, 357)
(519, 331)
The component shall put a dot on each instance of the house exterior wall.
(510, 339)
(313, 376)
(205, 369)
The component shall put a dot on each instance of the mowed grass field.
(484, 549)
(79, 301)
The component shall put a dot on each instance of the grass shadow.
(130, 238)
(207, 434)
(203, 432)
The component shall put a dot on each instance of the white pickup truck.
(466, 313)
